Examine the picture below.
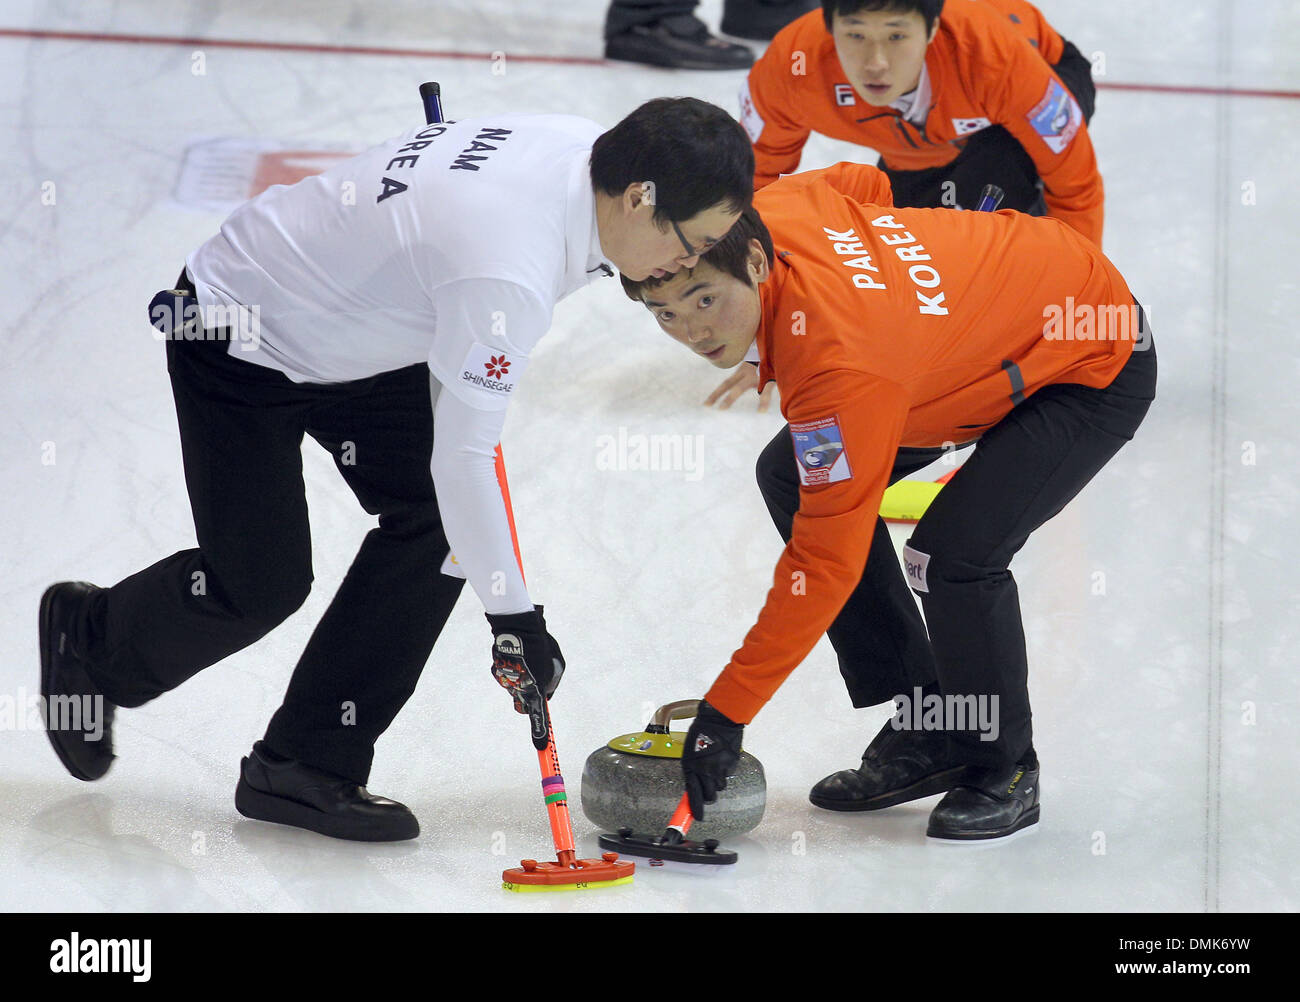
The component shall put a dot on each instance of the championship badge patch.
(819, 451)
(1056, 117)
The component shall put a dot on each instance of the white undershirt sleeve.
(472, 504)
(485, 332)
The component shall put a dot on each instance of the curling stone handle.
(683, 709)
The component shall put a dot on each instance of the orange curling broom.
(567, 873)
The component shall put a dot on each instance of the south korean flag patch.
(819, 452)
(969, 126)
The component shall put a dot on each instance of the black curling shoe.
(898, 766)
(78, 719)
(680, 42)
(987, 803)
(287, 792)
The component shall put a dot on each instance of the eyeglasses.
(686, 244)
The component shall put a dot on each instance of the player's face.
(882, 52)
(711, 312)
(645, 249)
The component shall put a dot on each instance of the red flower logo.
(498, 367)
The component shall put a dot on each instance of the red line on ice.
(237, 43)
(384, 50)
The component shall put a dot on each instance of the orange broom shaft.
(557, 804)
(682, 817)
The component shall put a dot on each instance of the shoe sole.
(1030, 817)
(45, 628)
(939, 782)
(259, 806)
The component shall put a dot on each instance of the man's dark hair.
(730, 254)
(696, 155)
(928, 9)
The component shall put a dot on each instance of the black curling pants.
(241, 431)
(993, 156)
(1023, 471)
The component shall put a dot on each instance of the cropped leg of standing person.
(1022, 473)
(667, 33)
(880, 641)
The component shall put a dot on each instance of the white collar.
(583, 255)
(915, 104)
(752, 354)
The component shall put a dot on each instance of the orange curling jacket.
(988, 65)
(887, 327)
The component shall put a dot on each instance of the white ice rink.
(1166, 709)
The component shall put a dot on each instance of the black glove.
(526, 660)
(710, 755)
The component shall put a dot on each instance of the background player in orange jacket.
(890, 332)
(985, 92)
(952, 97)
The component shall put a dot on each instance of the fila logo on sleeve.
(844, 95)
(491, 369)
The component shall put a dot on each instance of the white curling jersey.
(449, 244)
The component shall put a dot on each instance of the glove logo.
(510, 645)
(701, 742)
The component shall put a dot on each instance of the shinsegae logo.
(497, 366)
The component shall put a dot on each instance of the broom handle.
(557, 803)
(682, 818)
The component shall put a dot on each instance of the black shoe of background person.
(760, 20)
(987, 803)
(287, 792)
(898, 766)
(78, 719)
(681, 42)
